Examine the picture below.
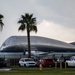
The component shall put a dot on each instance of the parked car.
(2, 62)
(71, 62)
(61, 61)
(27, 62)
(46, 62)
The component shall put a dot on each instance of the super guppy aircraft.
(16, 46)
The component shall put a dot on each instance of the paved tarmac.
(5, 69)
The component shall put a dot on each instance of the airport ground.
(16, 70)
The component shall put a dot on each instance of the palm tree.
(28, 22)
(1, 23)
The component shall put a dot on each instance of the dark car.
(2, 62)
(61, 62)
(46, 62)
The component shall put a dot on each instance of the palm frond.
(22, 28)
(23, 17)
(30, 16)
(1, 16)
(20, 21)
(33, 28)
(33, 21)
(1, 23)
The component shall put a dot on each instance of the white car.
(27, 62)
(71, 62)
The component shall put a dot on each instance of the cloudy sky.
(55, 18)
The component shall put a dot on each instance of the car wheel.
(24, 65)
(19, 65)
(50, 66)
(67, 65)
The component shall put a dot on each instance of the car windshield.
(48, 59)
(28, 59)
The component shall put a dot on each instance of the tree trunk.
(28, 36)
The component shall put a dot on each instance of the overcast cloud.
(55, 18)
